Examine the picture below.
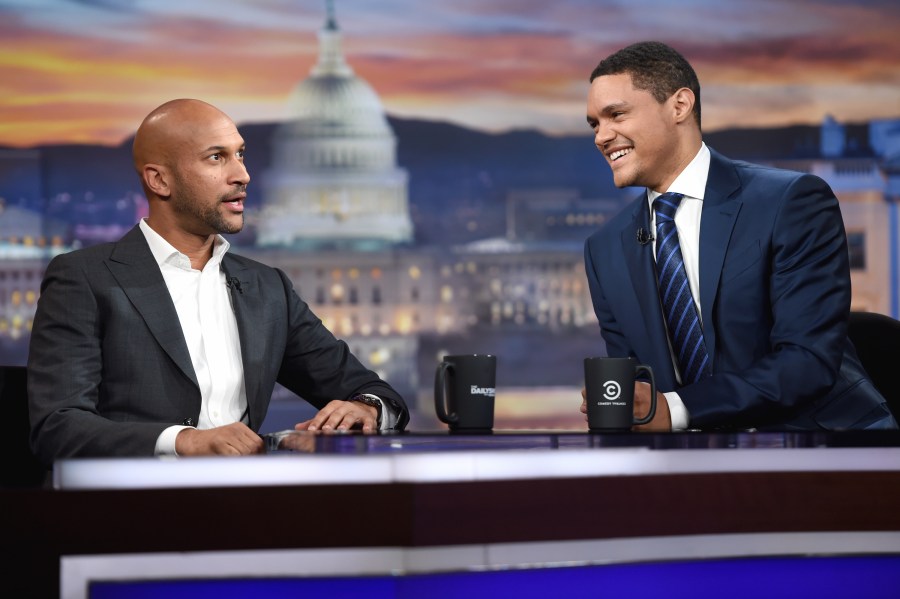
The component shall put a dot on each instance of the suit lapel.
(720, 214)
(247, 301)
(133, 266)
(639, 262)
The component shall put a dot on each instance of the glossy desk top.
(345, 459)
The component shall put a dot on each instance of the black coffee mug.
(465, 384)
(609, 390)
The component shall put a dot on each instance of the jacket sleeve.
(320, 368)
(65, 368)
(806, 282)
(617, 345)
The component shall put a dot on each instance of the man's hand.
(662, 420)
(231, 439)
(584, 403)
(341, 415)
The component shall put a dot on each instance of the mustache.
(236, 190)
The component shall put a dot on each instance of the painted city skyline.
(76, 71)
(486, 103)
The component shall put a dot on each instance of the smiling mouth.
(613, 156)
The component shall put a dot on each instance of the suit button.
(189, 422)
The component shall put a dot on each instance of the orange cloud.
(73, 86)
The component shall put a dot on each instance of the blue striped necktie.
(682, 319)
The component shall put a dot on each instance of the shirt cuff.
(677, 411)
(165, 443)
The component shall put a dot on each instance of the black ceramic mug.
(609, 390)
(464, 392)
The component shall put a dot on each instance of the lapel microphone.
(234, 283)
(643, 236)
(231, 282)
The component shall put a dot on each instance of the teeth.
(619, 153)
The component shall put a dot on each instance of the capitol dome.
(336, 106)
(334, 178)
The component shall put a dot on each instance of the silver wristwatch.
(370, 400)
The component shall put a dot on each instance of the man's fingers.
(342, 415)
(232, 439)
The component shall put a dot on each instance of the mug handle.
(439, 394)
(644, 368)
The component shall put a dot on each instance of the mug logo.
(486, 391)
(611, 390)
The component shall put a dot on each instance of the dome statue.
(334, 179)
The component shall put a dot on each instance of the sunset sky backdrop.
(88, 70)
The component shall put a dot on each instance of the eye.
(240, 154)
(215, 156)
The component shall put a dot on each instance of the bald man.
(166, 343)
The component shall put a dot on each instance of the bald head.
(190, 159)
(169, 128)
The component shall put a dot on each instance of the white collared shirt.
(691, 183)
(207, 320)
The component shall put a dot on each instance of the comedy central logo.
(611, 390)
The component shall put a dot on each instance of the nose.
(240, 174)
(603, 134)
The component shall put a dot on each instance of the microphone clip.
(234, 283)
(643, 236)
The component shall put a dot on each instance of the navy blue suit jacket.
(774, 296)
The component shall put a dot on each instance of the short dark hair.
(654, 67)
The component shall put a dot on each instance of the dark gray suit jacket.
(109, 369)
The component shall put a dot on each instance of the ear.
(682, 104)
(156, 178)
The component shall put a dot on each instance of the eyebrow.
(613, 107)
(607, 110)
(221, 149)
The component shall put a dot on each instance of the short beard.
(208, 215)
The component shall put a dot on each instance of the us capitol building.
(336, 220)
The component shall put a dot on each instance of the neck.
(198, 248)
(680, 160)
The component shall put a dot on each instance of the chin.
(227, 227)
(621, 181)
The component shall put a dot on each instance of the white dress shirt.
(207, 320)
(691, 183)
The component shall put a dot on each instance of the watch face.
(370, 400)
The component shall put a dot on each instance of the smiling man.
(730, 280)
(166, 343)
